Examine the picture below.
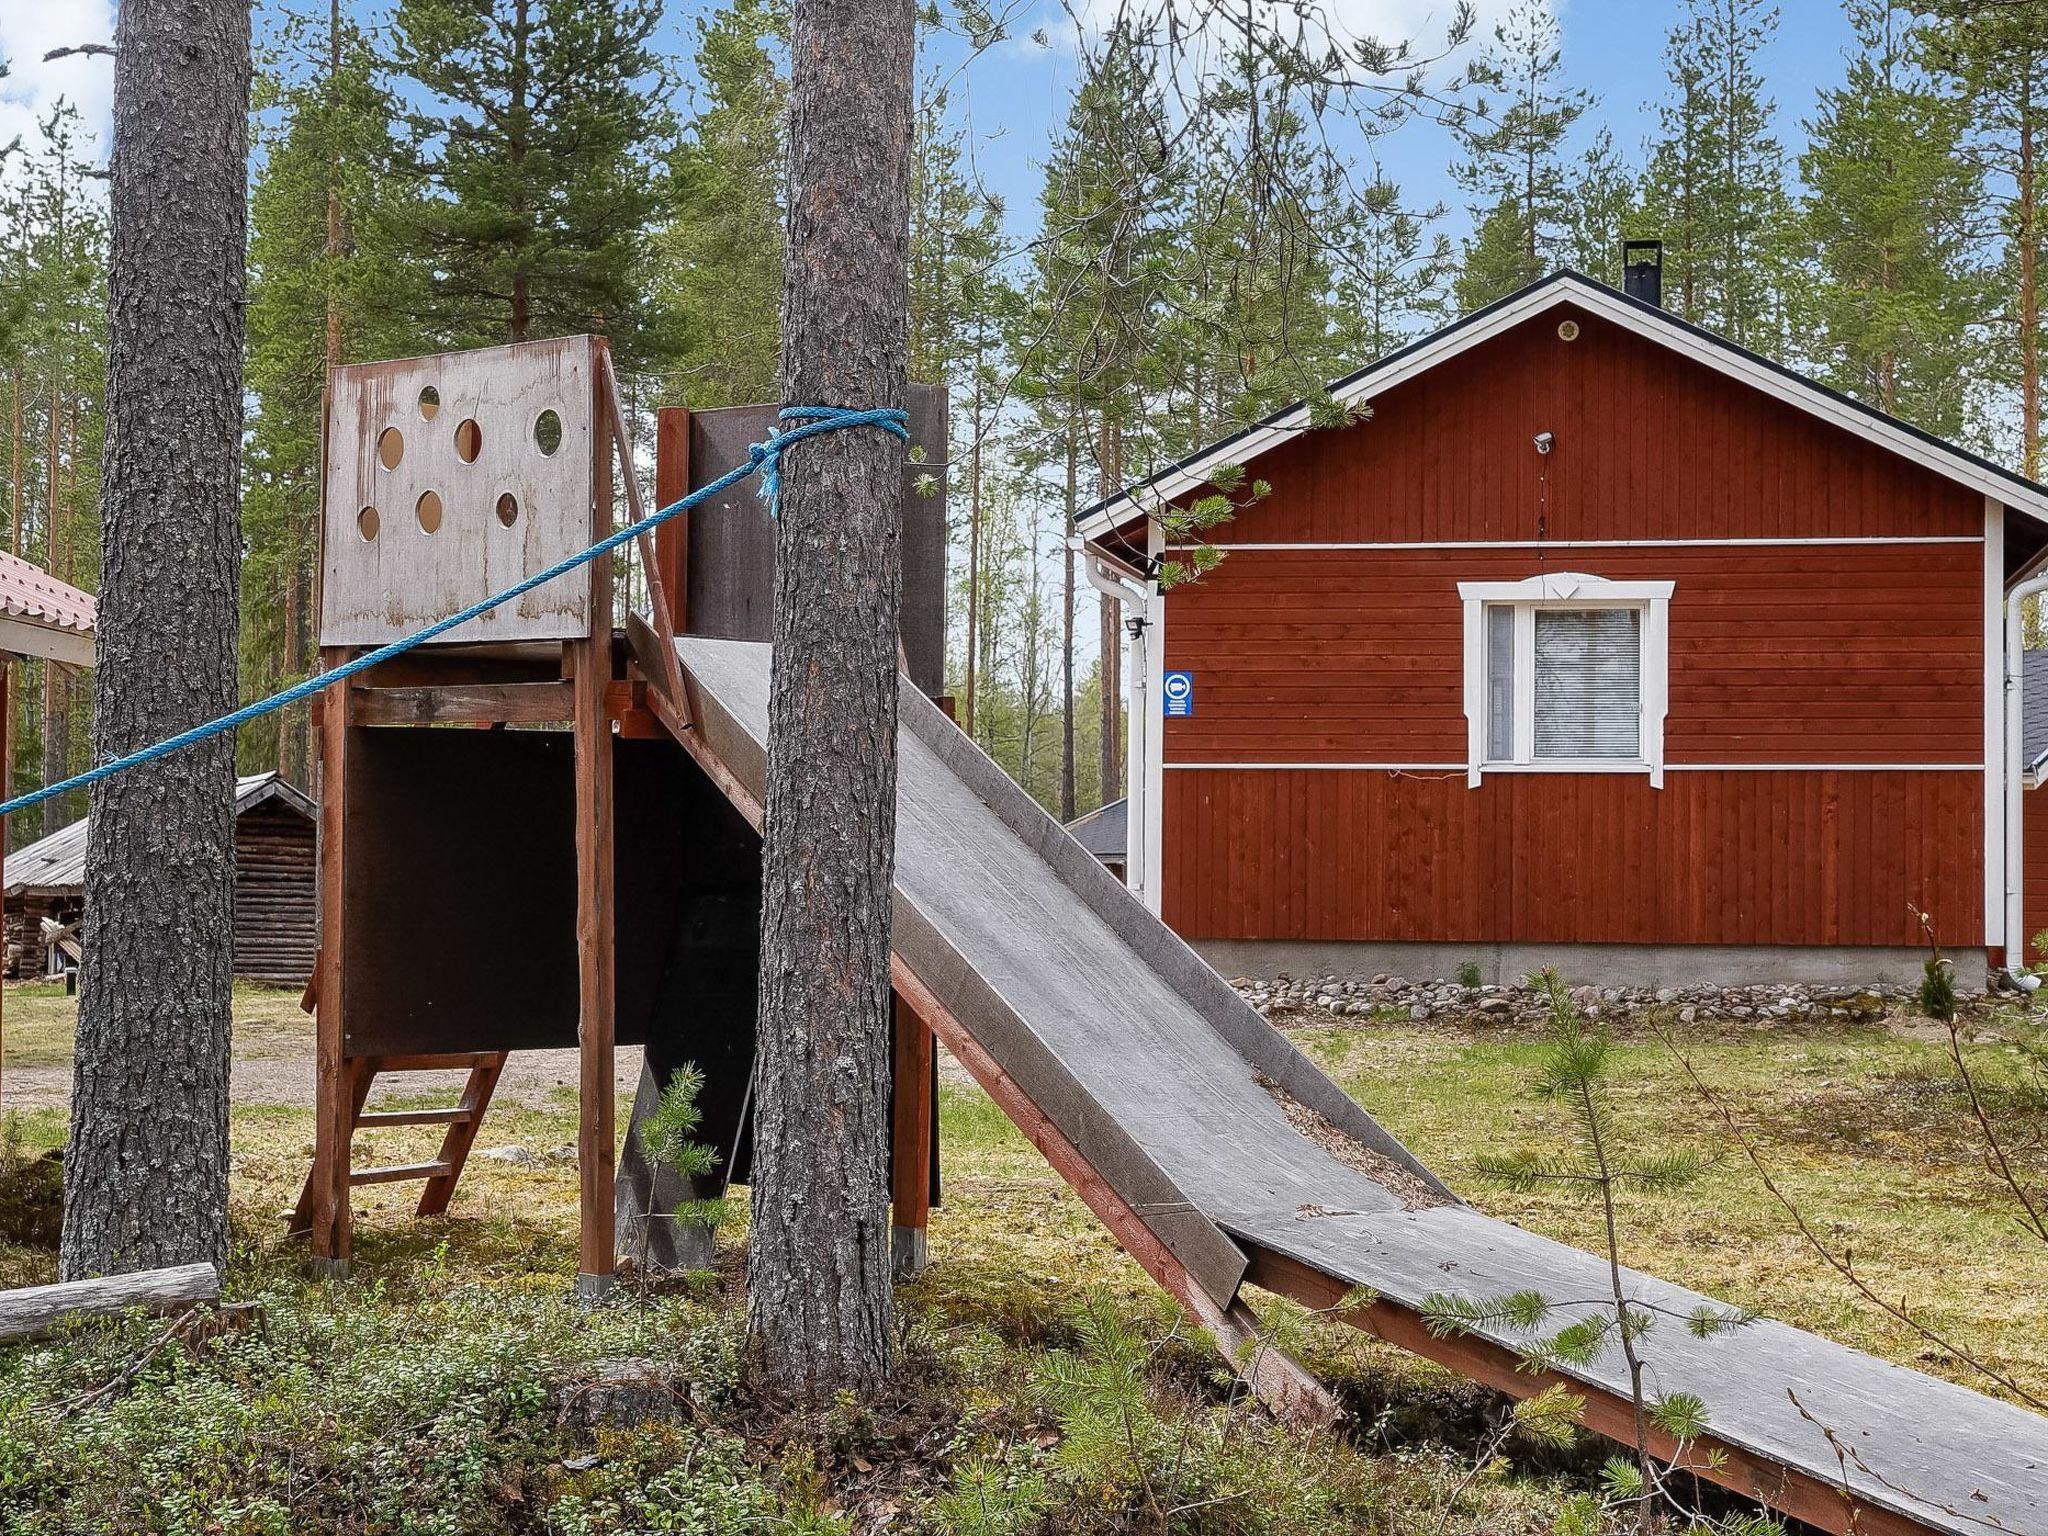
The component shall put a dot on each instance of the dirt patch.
(1395, 1178)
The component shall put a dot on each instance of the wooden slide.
(1218, 1154)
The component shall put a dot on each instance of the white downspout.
(2015, 769)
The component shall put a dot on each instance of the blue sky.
(1012, 95)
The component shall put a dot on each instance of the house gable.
(1634, 367)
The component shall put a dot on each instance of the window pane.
(1588, 682)
(1500, 683)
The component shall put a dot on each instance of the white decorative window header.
(1566, 673)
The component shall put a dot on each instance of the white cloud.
(28, 30)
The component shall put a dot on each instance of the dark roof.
(1106, 832)
(1566, 277)
(57, 862)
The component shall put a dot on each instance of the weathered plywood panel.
(376, 587)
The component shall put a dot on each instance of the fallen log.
(36, 1310)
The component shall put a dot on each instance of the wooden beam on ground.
(464, 704)
(335, 1087)
(910, 1159)
(39, 1310)
(1829, 1506)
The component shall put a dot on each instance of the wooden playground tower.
(475, 896)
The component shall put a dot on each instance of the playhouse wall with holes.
(516, 854)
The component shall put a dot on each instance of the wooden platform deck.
(1147, 1081)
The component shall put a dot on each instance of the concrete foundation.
(1603, 965)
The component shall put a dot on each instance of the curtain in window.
(1500, 682)
(1588, 682)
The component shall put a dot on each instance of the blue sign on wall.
(1179, 692)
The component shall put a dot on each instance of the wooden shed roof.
(57, 862)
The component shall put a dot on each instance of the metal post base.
(907, 1252)
(330, 1269)
(591, 1290)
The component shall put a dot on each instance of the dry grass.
(1863, 1127)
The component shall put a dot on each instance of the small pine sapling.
(1553, 1333)
(1469, 974)
(1937, 994)
(668, 1135)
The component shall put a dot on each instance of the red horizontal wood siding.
(1796, 653)
(1741, 858)
(1842, 653)
(1647, 444)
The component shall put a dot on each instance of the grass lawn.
(1047, 1388)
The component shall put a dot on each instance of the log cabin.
(276, 937)
(1590, 639)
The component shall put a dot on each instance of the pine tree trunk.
(1109, 459)
(1073, 435)
(146, 1171)
(54, 736)
(2028, 194)
(818, 1303)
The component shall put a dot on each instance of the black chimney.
(1642, 270)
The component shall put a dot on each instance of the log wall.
(276, 936)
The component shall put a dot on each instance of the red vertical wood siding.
(1798, 653)
(2033, 876)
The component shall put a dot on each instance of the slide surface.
(1228, 1142)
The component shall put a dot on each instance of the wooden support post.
(596, 1138)
(910, 1163)
(595, 1153)
(335, 1087)
(671, 485)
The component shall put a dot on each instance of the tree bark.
(146, 1171)
(1109, 464)
(818, 1304)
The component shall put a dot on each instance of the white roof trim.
(1722, 356)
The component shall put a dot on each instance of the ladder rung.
(397, 1173)
(459, 1114)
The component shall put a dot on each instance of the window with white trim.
(1566, 673)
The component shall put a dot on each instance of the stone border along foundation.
(1386, 998)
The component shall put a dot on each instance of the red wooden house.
(1598, 641)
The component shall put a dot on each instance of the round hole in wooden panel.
(547, 432)
(390, 447)
(428, 510)
(366, 523)
(469, 440)
(508, 509)
(430, 403)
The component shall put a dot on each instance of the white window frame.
(1564, 590)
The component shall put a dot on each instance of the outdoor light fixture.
(1544, 440)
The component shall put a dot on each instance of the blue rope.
(762, 458)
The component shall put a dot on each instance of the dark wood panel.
(1798, 857)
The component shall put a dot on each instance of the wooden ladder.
(461, 1118)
